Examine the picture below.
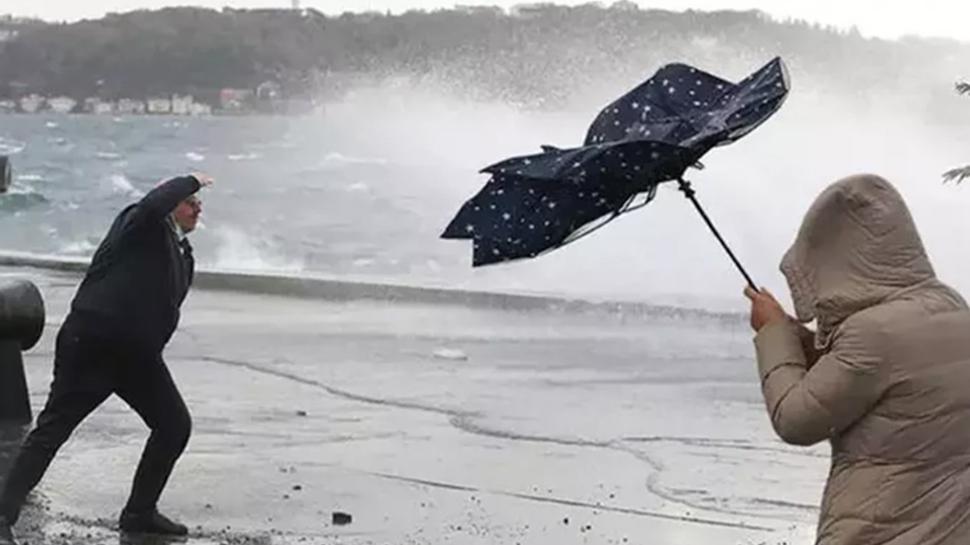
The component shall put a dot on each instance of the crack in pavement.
(575, 503)
(462, 421)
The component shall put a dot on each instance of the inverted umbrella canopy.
(536, 203)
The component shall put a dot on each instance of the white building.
(182, 105)
(103, 108)
(62, 104)
(31, 103)
(199, 108)
(94, 105)
(159, 106)
(130, 106)
(529, 11)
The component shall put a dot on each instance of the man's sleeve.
(162, 200)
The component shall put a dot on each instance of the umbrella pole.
(689, 192)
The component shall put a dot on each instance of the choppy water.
(365, 189)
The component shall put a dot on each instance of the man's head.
(186, 214)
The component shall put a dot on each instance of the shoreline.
(332, 288)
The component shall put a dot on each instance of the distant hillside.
(536, 55)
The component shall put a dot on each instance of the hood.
(856, 247)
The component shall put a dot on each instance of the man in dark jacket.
(125, 311)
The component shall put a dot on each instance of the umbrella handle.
(689, 192)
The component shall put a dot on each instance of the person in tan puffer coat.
(885, 377)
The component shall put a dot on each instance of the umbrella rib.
(689, 192)
(616, 213)
(570, 239)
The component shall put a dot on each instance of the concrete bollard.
(6, 173)
(21, 326)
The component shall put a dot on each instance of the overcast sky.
(944, 18)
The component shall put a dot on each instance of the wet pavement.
(439, 423)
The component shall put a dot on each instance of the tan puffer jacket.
(885, 378)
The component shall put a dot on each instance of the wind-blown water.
(364, 190)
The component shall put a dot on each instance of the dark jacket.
(141, 273)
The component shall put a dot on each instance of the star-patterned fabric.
(536, 203)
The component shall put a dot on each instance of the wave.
(239, 251)
(107, 155)
(21, 188)
(30, 178)
(339, 159)
(16, 200)
(243, 156)
(342, 289)
(196, 157)
(11, 147)
(83, 247)
(121, 184)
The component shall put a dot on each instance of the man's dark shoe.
(6, 533)
(152, 522)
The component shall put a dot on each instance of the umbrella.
(536, 203)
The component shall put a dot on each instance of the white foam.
(107, 155)
(30, 178)
(193, 156)
(121, 184)
(51, 125)
(79, 247)
(239, 251)
(452, 354)
(358, 186)
(20, 188)
(338, 159)
(11, 147)
(243, 156)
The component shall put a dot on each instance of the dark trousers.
(87, 369)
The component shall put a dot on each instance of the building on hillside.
(158, 105)
(479, 10)
(61, 104)
(130, 106)
(31, 103)
(94, 105)
(529, 11)
(235, 100)
(199, 108)
(182, 105)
